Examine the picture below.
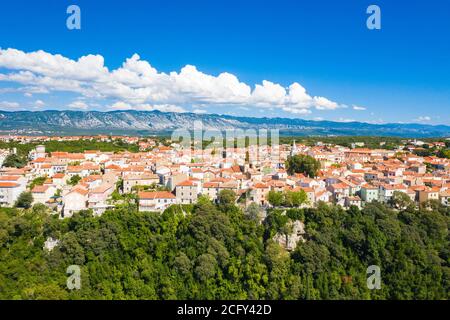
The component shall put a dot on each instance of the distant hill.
(52, 122)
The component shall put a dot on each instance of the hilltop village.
(159, 176)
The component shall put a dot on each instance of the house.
(59, 180)
(339, 191)
(156, 200)
(428, 194)
(42, 194)
(310, 194)
(322, 195)
(187, 192)
(132, 180)
(445, 197)
(9, 192)
(172, 181)
(74, 201)
(353, 201)
(311, 183)
(38, 152)
(10, 189)
(211, 190)
(100, 194)
(97, 198)
(259, 192)
(369, 193)
(386, 191)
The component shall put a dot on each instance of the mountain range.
(132, 122)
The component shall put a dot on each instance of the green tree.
(275, 198)
(400, 200)
(304, 164)
(205, 267)
(24, 200)
(13, 160)
(226, 198)
(39, 181)
(295, 198)
(444, 153)
(254, 211)
(74, 180)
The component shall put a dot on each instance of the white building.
(10, 189)
(42, 194)
(74, 201)
(156, 201)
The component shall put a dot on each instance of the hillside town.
(162, 175)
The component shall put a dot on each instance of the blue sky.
(400, 73)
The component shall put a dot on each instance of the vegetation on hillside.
(209, 251)
(71, 146)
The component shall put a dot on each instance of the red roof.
(8, 184)
(211, 185)
(156, 195)
(186, 183)
(39, 189)
(260, 186)
(9, 178)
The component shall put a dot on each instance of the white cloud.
(140, 86)
(39, 103)
(7, 105)
(322, 103)
(296, 111)
(345, 120)
(357, 108)
(146, 107)
(423, 119)
(199, 111)
(78, 105)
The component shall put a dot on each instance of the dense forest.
(219, 251)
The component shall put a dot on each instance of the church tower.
(293, 149)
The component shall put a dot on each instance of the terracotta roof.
(102, 188)
(59, 154)
(340, 186)
(211, 185)
(156, 195)
(80, 191)
(112, 166)
(8, 184)
(186, 183)
(260, 186)
(39, 189)
(9, 178)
